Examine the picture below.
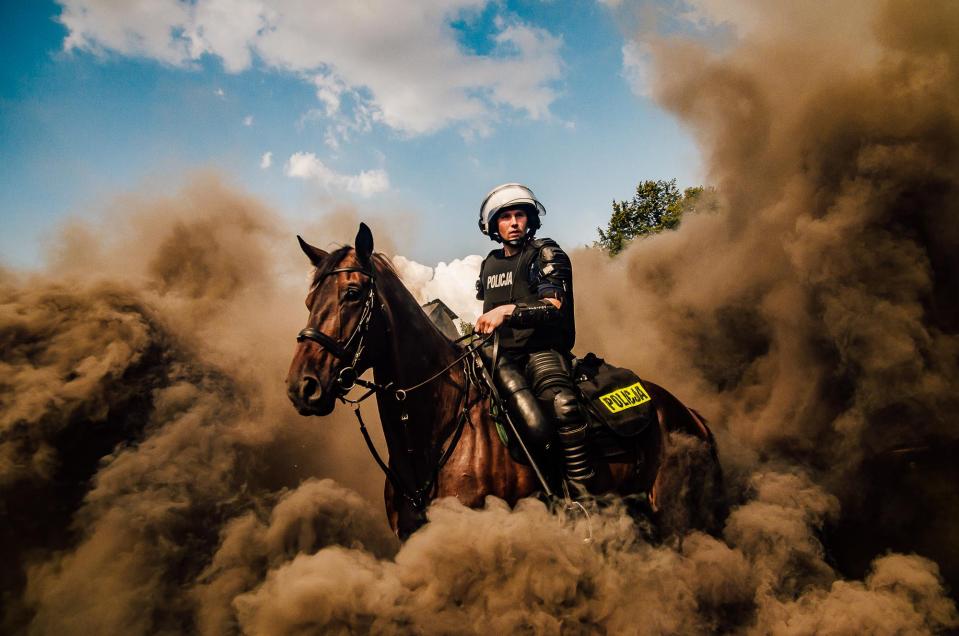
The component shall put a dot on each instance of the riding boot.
(572, 437)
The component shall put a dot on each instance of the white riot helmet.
(507, 196)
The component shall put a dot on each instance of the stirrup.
(573, 508)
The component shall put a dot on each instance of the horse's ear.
(315, 254)
(364, 244)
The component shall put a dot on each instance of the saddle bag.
(614, 396)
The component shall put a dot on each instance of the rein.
(417, 498)
(347, 377)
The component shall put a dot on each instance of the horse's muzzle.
(309, 398)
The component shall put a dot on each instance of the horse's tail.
(688, 491)
(705, 432)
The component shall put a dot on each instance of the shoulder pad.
(549, 251)
(551, 259)
(543, 242)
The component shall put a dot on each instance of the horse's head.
(330, 350)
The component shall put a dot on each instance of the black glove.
(532, 314)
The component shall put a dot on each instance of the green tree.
(656, 206)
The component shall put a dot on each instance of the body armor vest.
(514, 279)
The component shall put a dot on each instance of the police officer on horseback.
(527, 292)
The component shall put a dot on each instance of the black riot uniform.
(532, 367)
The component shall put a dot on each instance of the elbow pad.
(552, 270)
(533, 314)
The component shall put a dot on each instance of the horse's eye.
(351, 293)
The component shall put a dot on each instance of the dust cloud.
(813, 314)
(144, 413)
(155, 480)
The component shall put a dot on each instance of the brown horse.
(440, 436)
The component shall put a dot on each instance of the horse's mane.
(387, 274)
(387, 279)
(332, 260)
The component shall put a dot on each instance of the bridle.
(346, 376)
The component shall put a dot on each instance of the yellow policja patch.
(625, 398)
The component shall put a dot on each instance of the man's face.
(511, 224)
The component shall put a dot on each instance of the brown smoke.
(144, 411)
(154, 478)
(157, 481)
(814, 316)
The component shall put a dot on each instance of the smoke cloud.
(154, 478)
(811, 312)
(452, 282)
(139, 418)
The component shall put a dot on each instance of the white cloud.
(453, 283)
(219, 92)
(144, 29)
(306, 165)
(517, 81)
(266, 160)
(328, 91)
(637, 61)
(397, 64)
(343, 122)
(224, 28)
(248, 121)
(331, 140)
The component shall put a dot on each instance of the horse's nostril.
(309, 388)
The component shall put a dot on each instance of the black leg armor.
(552, 383)
(534, 425)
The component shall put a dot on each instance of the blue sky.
(387, 111)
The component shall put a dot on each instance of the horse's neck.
(415, 351)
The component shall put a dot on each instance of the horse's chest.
(480, 467)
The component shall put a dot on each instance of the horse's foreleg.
(392, 515)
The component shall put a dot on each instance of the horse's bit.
(346, 377)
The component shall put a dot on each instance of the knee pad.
(567, 408)
(548, 370)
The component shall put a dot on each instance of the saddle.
(618, 409)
